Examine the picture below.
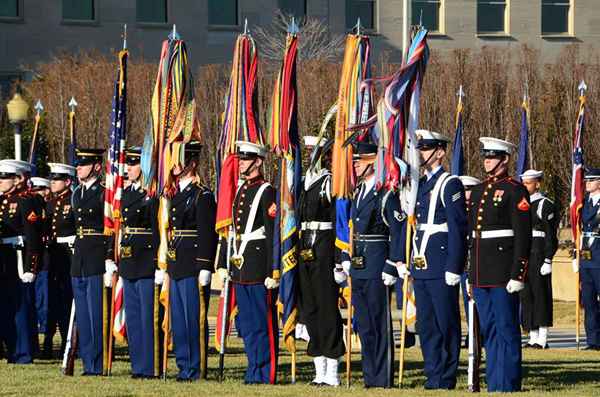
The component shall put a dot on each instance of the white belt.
(66, 240)
(538, 233)
(17, 240)
(433, 228)
(314, 225)
(495, 233)
(258, 234)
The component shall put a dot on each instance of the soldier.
(319, 292)
(190, 262)
(536, 298)
(438, 256)
(92, 259)
(590, 258)
(254, 279)
(377, 225)
(500, 241)
(20, 255)
(137, 265)
(60, 238)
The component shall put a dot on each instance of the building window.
(428, 13)
(296, 8)
(9, 8)
(491, 16)
(151, 11)
(363, 9)
(223, 12)
(556, 16)
(78, 10)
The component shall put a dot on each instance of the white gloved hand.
(108, 279)
(546, 267)
(575, 266)
(28, 277)
(403, 271)
(388, 279)
(159, 276)
(339, 275)
(204, 277)
(110, 266)
(452, 279)
(271, 283)
(346, 267)
(514, 286)
(222, 272)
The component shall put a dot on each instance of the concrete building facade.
(32, 30)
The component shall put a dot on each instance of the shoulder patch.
(272, 210)
(523, 205)
(456, 196)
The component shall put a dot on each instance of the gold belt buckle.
(126, 251)
(358, 262)
(237, 261)
(172, 254)
(307, 254)
(420, 262)
(586, 255)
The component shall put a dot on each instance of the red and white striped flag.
(577, 187)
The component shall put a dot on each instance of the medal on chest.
(497, 199)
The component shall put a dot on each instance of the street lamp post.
(17, 113)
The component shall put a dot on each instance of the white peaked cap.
(16, 166)
(497, 145)
(431, 136)
(469, 181)
(311, 140)
(532, 174)
(252, 148)
(59, 168)
(39, 182)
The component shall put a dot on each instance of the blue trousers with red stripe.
(184, 297)
(256, 322)
(138, 295)
(17, 318)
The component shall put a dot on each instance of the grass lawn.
(551, 372)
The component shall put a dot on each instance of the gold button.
(241, 203)
(58, 203)
(78, 219)
(485, 193)
(478, 227)
(240, 211)
(238, 219)
(53, 227)
(126, 209)
(90, 210)
(5, 201)
(481, 210)
(489, 186)
(173, 209)
(482, 201)
(479, 218)
(78, 209)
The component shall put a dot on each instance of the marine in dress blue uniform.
(500, 243)
(20, 255)
(137, 266)
(190, 263)
(252, 273)
(376, 226)
(589, 267)
(60, 238)
(92, 259)
(438, 256)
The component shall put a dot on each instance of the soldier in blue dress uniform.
(190, 263)
(20, 255)
(137, 265)
(500, 242)
(92, 263)
(60, 237)
(376, 227)
(589, 267)
(252, 273)
(438, 256)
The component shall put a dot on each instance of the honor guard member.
(536, 298)
(92, 258)
(590, 258)
(319, 292)
(251, 265)
(137, 265)
(437, 263)
(376, 225)
(60, 239)
(468, 183)
(190, 262)
(40, 186)
(20, 255)
(500, 242)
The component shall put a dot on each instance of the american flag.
(115, 170)
(577, 190)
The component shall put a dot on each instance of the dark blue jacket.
(590, 220)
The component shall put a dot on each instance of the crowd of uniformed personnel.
(499, 235)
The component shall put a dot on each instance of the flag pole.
(582, 88)
(404, 30)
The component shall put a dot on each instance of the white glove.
(388, 279)
(514, 286)
(575, 266)
(346, 267)
(108, 279)
(271, 283)
(546, 267)
(204, 277)
(159, 276)
(339, 275)
(222, 272)
(110, 266)
(403, 271)
(452, 279)
(28, 277)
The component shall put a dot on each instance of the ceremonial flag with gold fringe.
(284, 141)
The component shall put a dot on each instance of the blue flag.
(458, 157)
(522, 160)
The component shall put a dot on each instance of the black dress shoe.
(527, 345)
(540, 347)
(318, 384)
(591, 347)
(90, 374)
(136, 376)
(184, 380)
